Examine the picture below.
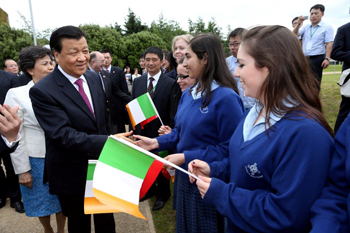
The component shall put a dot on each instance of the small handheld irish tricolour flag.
(123, 174)
(91, 204)
(142, 110)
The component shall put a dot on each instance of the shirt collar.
(70, 77)
(108, 69)
(156, 77)
(275, 117)
(234, 59)
(196, 95)
(320, 24)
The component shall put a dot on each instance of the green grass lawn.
(331, 68)
(330, 97)
(164, 219)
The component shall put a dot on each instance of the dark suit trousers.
(315, 65)
(344, 110)
(160, 188)
(78, 222)
(9, 186)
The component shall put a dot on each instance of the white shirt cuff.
(11, 144)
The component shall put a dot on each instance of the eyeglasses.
(235, 44)
(183, 77)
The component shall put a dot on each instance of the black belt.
(308, 57)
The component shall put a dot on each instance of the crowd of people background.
(250, 126)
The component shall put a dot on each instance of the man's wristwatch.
(327, 58)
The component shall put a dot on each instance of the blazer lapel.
(2, 76)
(69, 90)
(142, 87)
(94, 93)
(159, 85)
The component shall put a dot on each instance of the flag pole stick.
(155, 109)
(154, 156)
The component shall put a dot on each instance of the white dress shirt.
(85, 85)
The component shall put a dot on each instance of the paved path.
(13, 222)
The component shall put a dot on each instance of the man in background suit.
(10, 66)
(159, 87)
(69, 105)
(117, 107)
(9, 185)
(341, 52)
(96, 64)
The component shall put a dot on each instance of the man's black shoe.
(18, 205)
(159, 204)
(2, 202)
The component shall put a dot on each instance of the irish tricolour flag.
(142, 110)
(122, 175)
(91, 204)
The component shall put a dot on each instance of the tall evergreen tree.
(166, 30)
(133, 24)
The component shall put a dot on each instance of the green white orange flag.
(91, 204)
(122, 175)
(142, 110)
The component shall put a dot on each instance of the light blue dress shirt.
(198, 95)
(232, 64)
(317, 36)
(250, 130)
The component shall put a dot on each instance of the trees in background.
(12, 41)
(99, 38)
(126, 42)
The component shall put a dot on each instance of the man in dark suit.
(9, 185)
(159, 87)
(117, 106)
(110, 88)
(70, 107)
(10, 66)
(341, 52)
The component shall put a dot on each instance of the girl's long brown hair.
(278, 49)
(209, 46)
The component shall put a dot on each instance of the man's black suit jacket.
(4, 150)
(7, 81)
(24, 79)
(72, 132)
(161, 99)
(117, 106)
(341, 46)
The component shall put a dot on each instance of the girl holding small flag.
(280, 153)
(207, 116)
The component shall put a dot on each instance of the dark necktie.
(150, 86)
(79, 82)
(103, 84)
